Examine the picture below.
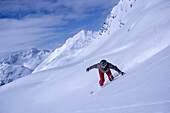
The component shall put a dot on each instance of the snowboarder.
(104, 67)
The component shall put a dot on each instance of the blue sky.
(46, 24)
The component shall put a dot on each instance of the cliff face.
(116, 19)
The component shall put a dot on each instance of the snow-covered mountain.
(20, 64)
(117, 18)
(70, 52)
(140, 47)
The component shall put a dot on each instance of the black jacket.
(106, 69)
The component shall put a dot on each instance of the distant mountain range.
(20, 64)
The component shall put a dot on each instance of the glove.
(122, 73)
(88, 69)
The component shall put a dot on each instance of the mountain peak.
(34, 50)
(71, 49)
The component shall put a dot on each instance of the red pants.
(109, 74)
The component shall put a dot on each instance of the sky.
(47, 24)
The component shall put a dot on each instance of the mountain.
(116, 19)
(20, 64)
(74, 47)
(140, 47)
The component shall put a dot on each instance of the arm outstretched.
(91, 67)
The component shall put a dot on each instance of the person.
(104, 67)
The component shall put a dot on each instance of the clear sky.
(46, 24)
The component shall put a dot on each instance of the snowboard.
(105, 84)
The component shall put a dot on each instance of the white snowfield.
(136, 40)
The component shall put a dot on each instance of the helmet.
(103, 63)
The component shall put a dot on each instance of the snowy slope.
(140, 48)
(144, 89)
(20, 64)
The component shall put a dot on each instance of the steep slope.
(143, 89)
(20, 64)
(116, 19)
(140, 48)
(145, 32)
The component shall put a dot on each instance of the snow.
(140, 47)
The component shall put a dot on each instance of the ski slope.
(140, 47)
